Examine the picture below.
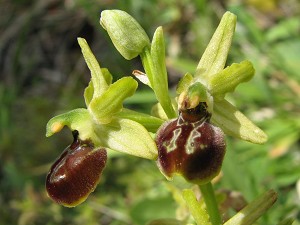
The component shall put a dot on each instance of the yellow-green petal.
(110, 102)
(227, 80)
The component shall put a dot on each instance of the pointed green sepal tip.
(215, 55)
(98, 79)
(127, 35)
(227, 80)
(236, 124)
(71, 119)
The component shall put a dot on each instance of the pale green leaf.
(234, 123)
(110, 102)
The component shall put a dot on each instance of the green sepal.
(234, 123)
(159, 81)
(127, 136)
(215, 55)
(98, 80)
(77, 119)
(227, 80)
(127, 35)
(110, 102)
(151, 123)
(184, 83)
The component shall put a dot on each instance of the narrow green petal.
(107, 76)
(88, 93)
(110, 102)
(128, 137)
(234, 123)
(77, 119)
(151, 123)
(184, 83)
(214, 58)
(127, 35)
(98, 80)
(227, 80)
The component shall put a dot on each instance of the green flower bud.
(76, 173)
(127, 35)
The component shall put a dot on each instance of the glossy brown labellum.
(76, 173)
(193, 149)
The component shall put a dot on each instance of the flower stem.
(211, 203)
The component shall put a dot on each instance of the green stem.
(211, 203)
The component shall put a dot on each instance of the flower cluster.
(189, 129)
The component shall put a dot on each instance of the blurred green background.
(43, 74)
